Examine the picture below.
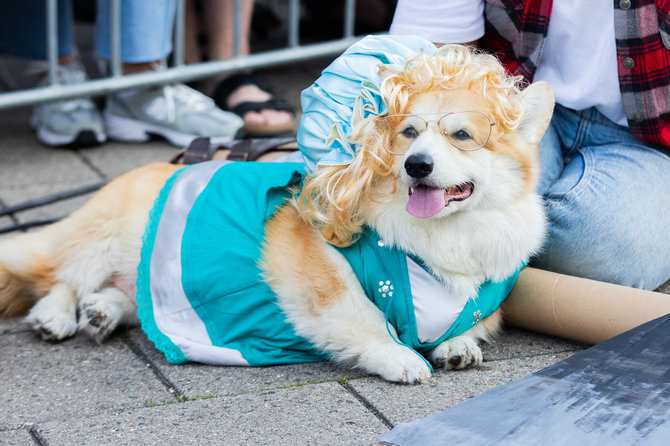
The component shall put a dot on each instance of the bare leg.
(192, 53)
(219, 22)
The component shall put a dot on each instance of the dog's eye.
(410, 132)
(461, 135)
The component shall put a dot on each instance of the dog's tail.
(26, 273)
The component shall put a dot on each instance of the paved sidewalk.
(124, 392)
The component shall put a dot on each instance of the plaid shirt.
(515, 31)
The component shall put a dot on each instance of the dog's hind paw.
(457, 353)
(51, 322)
(99, 317)
(396, 363)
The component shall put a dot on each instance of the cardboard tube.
(579, 309)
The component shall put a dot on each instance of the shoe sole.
(85, 138)
(131, 130)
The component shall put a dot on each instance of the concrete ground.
(124, 392)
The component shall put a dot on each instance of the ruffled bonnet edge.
(348, 86)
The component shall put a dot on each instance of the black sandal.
(232, 83)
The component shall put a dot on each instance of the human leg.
(175, 112)
(253, 99)
(192, 51)
(608, 211)
(219, 22)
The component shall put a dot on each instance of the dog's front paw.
(457, 353)
(396, 363)
(51, 321)
(98, 316)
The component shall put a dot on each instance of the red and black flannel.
(515, 31)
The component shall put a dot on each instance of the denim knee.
(603, 225)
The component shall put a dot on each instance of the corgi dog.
(444, 181)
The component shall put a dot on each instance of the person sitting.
(606, 156)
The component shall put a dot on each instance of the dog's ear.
(538, 100)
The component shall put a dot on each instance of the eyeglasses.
(465, 130)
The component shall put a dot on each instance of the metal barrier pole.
(349, 14)
(293, 23)
(52, 39)
(180, 21)
(115, 37)
(180, 72)
(183, 73)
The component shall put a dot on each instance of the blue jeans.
(146, 29)
(607, 198)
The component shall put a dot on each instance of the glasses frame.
(442, 115)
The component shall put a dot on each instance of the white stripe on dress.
(173, 313)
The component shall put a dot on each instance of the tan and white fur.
(86, 264)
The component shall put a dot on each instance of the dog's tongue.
(426, 201)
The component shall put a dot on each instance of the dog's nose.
(419, 165)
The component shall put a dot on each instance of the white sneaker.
(175, 112)
(74, 122)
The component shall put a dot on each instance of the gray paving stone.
(13, 325)
(198, 380)
(45, 172)
(5, 222)
(16, 437)
(29, 170)
(316, 414)
(514, 342)
(57, 210)
(42, 168)
(116, 158)
(401, 403)
(42, 381)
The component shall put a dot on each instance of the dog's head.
(458, 135)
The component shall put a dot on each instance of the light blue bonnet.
(350, 83)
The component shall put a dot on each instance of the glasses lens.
(406, 123)
(466, 130)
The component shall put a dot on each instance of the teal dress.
(200, 293)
